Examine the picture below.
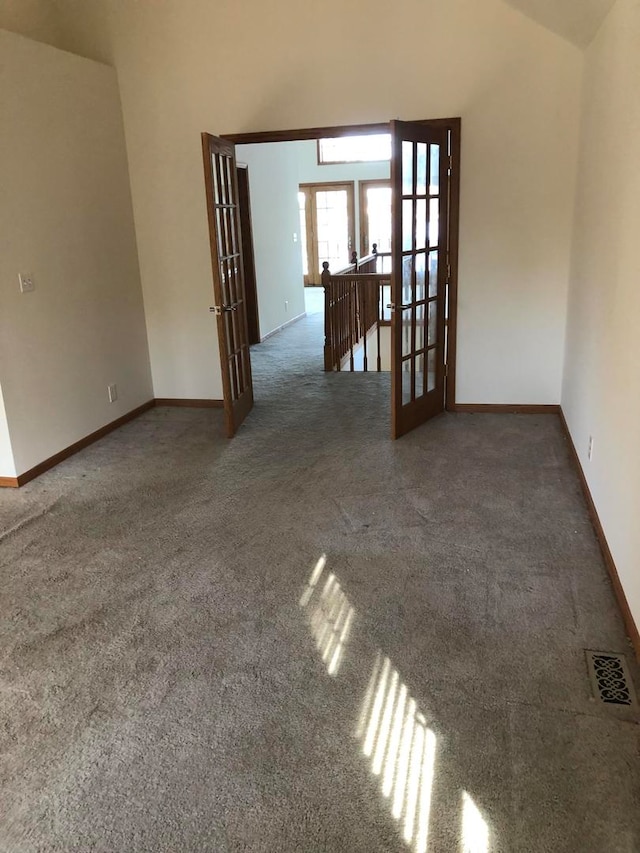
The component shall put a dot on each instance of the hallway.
(310, 638)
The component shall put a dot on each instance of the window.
(375, 227)
(327, 227)
(355, 149)
(375, 217)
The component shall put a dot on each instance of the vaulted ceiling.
(575, 20)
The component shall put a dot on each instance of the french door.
(424, 248)
(221, 185)
(419, 181)
(327, 227)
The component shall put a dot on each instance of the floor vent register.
(610, 679)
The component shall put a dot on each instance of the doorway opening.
(423, 255)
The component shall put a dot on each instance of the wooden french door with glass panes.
(221, 185)
(419, 180)
(327, 227)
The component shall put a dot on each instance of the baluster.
(379, 310)
(351, 316)
(342, 318)
(329, 356)
(365, 323)
(342, 321)
(355, 307)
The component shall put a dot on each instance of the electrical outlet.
(112, 391)
(27, 284)
(590, 451)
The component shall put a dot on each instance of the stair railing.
(353, 307)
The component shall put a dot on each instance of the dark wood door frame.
(454, 127)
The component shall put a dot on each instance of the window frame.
(310, 189)
(322, 162)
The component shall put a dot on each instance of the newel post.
(328, 348)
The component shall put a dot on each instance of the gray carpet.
(182, 669)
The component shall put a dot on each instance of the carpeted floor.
(310, 638)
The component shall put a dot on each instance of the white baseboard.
(283, 326)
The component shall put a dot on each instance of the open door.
(419, 180)
(228, 281)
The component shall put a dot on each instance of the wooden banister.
(352, 308)
(363, 276)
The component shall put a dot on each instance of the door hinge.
(446, 371)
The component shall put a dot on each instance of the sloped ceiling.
(575, 20)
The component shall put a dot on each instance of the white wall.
(519, 143)
(602, 370)
(275, 171)
(66, 218)
(7, 466)
(515, 85)
(312, 172)
(273, 187)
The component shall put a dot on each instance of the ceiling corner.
(577, 21)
